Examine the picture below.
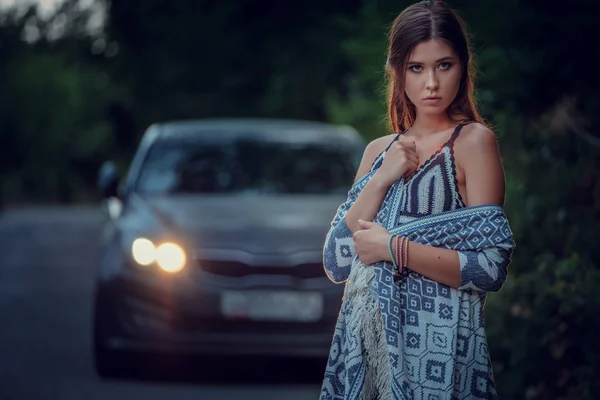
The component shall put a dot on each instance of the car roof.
(277, 130)
(226, 129)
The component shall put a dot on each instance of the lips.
(432, 101)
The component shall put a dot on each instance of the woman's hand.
(400, 160)
(371, 242)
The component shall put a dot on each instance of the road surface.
(46, 279)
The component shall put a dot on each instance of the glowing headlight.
(170, 257)
(143, 251)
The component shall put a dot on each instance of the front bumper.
(146, 311)
(231, 344)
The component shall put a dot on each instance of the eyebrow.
(437, 61)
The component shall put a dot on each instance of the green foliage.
(53, 111)
(243, 58)
(58, 122)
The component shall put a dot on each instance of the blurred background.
(81, 81)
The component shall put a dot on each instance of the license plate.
(272, 305)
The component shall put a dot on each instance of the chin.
(432, 110)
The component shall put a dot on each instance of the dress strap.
(392, 142)
(456, 132)
(379, 159)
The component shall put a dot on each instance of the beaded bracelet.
(397, 265)
(401, 256)
(391, 251)
(398, 255)
(405, 254)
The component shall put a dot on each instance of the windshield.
(247, 166)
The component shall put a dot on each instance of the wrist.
(380, 181)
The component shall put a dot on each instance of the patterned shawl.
(423, 339)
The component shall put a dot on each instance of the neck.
(430, 123)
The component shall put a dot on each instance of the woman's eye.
(415, 68)
(445, 65)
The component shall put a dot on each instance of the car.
(213, 241)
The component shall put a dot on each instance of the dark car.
(213, 241)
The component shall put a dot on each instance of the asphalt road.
(46, 278)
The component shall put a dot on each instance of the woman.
(422, 236)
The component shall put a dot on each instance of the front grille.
(235, 269)
(224, 325)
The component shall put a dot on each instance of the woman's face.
(433, 76)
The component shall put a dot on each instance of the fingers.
(408, 155)
(405, 147)
(409, 150)
(412, 157)
(364, 224)
(406, 143)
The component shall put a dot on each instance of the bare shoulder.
(476, 146)
(476, 136)
(373, 149)
(378, 145)
(479, 165)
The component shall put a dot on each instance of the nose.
(432, 82)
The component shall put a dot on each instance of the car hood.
(254, 224)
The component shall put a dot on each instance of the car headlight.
(169, 256)
(143, 251)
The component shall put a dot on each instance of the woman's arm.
(338, 250)
(484, 178)
(367, 203)
(481, 164)
(400, 158)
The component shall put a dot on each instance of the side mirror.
(108, 180)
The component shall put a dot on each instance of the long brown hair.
(423, 21)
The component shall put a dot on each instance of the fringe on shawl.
(366, 322)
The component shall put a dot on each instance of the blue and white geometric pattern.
(339, 249)
(435, 334)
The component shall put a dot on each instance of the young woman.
(422, 236)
